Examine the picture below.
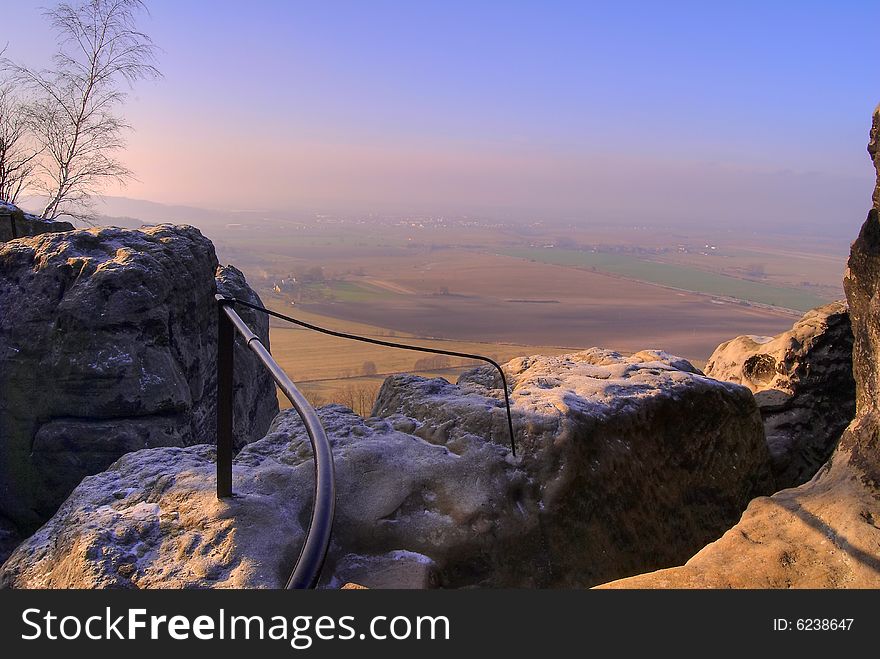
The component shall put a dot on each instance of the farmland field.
(676, 276)
(333, 369)
(505, 290)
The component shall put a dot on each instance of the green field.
(674, 276)
(346, 291)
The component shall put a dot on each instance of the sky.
(748, 112)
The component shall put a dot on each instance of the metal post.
(225, 351)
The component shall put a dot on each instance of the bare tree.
(313, 395)
(75, 115)
(18, 155)
(358, 398)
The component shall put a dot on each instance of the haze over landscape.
(451, 295)
(508, 178)
(577, 111)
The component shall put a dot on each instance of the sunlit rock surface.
(803, 383)
(634, 460)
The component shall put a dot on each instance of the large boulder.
(15, 223)
(803, 383)
(108, 345)
(623, 462)
(825, 533)
(636, 460)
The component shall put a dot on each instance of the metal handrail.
(311, 558)
(402, 346)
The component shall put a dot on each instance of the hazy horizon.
(751, 115)
(111, 208)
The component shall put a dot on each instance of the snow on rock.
(634, 460)
(428, 493)
(153, 520)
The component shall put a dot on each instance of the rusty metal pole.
(225, 352)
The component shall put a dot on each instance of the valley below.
(505, 291)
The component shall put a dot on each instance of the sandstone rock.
(153, 520)
(623, 462)
(636, 460)
(803, 384)
(825, 533)
(396, 569)
(15, 223)
(862, 285)
(108, 345)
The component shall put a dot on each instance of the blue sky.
(568, 108)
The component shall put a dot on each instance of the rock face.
(825, 533)
(622, 462)
(803, 383)
(634, 458)
(108, 345)
(15, 223)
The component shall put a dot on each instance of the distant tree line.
(358, 397)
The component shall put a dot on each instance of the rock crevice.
(803, 383)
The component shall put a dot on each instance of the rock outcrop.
(108, 345)
(15, 223)
(825, 533)
(803, 383)
(623, 462)
(634, 458)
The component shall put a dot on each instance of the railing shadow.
(868, 560)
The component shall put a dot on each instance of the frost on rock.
(624, 464)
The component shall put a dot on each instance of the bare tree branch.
(18, 153)
(74, 118)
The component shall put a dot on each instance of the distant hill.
(132, 213)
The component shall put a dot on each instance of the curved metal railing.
(311, 559)
(402, 346)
